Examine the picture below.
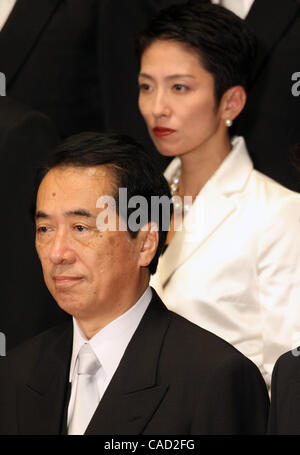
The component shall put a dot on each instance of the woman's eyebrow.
(171, 76)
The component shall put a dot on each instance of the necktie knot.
(88, 362)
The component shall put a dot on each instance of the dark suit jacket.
(48, 52)
(26, 136)
(270, 121)
(285, 395)
(174, 378)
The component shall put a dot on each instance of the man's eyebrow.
(76, 212)
(41, 214)
(79, 212)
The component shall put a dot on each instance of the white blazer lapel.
(213, 205)
(207, 213)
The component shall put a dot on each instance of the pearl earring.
(228, 122)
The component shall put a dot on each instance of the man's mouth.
(66, 280)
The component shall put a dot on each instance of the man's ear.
(233, 102)
(149, 238)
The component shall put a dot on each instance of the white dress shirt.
(6, 7)
(109, 345)
(240, 7)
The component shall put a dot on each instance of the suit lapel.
(21, 31)
(133, 393)
(41, 402)
(269, 19)
(211, 208)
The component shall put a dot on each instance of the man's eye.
(42, 229)
(80, 228)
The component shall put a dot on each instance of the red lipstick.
(161, 131)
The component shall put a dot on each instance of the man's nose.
(61, 250)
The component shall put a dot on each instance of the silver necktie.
(87, 397)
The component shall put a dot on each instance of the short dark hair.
(131, 165)
(225, 45)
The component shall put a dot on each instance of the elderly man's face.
(88, 272)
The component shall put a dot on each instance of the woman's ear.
(149, 242)
(233, 102)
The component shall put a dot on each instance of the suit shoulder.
(201, 341)
(200, 352)
(11, 111)
(289, 363)
(277, 208)
(33, 346)
(271, 189)
(14, 114)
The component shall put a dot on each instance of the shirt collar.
(234, 171)
(109, 343)
(246, 6)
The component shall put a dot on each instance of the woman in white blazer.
(233, 266)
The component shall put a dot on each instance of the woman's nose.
(160, 107)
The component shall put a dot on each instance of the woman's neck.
(198, 166)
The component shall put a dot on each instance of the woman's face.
(177, 99)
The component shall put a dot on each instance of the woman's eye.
(144, 87)
(180, 87)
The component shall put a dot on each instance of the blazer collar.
(209, 210)
(22, 29)
(134, 392)
(41, 402)
(269, 19)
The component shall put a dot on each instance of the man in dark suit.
(26, 137)
(285, 395)
(147, 370)
(270, 120)
(285, 387)
(48, 53)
